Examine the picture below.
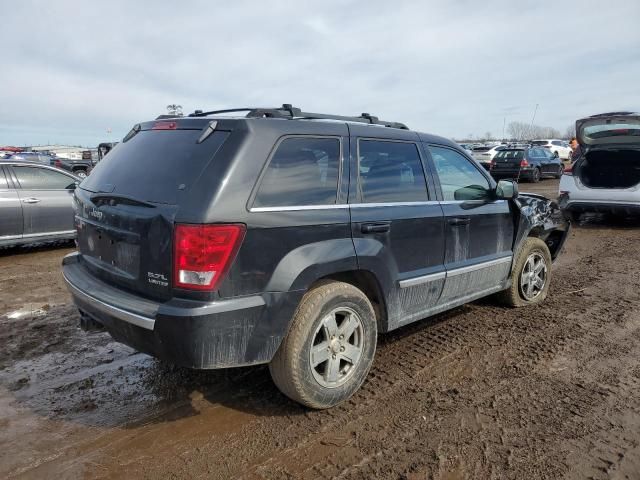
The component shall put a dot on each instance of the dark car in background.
(79, 167)
(36, 203)
(292, 238)
(526, 163)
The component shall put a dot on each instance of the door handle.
(31, 200)
(375, 227)
(459, 221)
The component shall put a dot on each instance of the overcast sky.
(71, 70)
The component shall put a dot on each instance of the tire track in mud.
(541, 345)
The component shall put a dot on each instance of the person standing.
(575, 150)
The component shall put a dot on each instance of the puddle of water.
(29, 311)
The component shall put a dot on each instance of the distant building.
(64, 151)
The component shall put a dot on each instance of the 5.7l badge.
(157, 279)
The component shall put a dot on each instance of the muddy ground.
(480, 392)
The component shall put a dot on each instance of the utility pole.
(504, 123)
(532, 120)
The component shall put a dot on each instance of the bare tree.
(518, 130)
(570, 132)
(488, 136)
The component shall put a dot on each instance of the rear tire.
(329, 349)
(530, 275)
(535, 175)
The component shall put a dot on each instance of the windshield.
(154, 165)
(539, 142)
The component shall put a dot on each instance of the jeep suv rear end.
(284, 238)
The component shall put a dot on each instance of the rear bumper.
(226, 333)
(512, 172)
(580, 206)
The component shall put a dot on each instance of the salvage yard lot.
(550, 391)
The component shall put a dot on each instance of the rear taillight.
(203, 254)
(58, 163)
(524, 163)
(492, 164)
(568, 171)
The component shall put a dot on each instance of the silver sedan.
(36, 203)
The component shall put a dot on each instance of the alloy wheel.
(533, 277)
(337, 346)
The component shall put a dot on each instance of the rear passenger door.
(478, 228)
(47, 200)
(10, 210)
(397, 225)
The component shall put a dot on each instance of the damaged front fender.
(537, 216)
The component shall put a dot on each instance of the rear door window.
(460, 180)
(155, 165)
(34, 178)
(390, 172)
(303, 171)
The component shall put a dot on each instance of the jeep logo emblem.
(95, 213)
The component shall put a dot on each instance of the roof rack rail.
(290, 112)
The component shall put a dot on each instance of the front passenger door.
(478, 228)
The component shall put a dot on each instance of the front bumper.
(203, 335)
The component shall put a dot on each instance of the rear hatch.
(127, 206)
(609, 129)
(610, 146)
(508, 160)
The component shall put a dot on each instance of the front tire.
(81, 174)
(530, 276)
(328, 351)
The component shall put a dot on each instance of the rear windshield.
(539, 142)
(630, 128)
(154, 165)
(481, 149)
(509, 154)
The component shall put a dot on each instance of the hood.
(608, 129)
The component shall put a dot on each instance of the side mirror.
(73, 186)
(506, 190)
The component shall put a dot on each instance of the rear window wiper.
(114, 199)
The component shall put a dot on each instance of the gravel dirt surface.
(551, 391)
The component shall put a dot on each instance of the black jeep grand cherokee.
(294, 238)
